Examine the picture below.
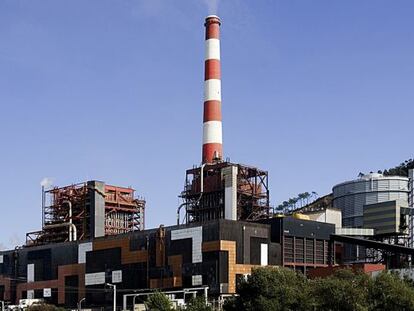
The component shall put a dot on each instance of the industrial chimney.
(220, 189)
(212, 127)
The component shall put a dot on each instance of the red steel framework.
(252, 193)
(76, 204)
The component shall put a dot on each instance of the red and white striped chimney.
(212, 127)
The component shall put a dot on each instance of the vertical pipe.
(212, 126)
(411, 205)
(71, 231)
(114, 297)
(43, 206)
(147, 264)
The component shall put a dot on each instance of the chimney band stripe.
(212, 69)
(212, 131)
(212, 49)
(212, 90)
(209, 151)
(212, 111)
(213, 31)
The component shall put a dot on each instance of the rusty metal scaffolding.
(252, 193)
(122, 212)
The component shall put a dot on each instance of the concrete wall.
(330, 216)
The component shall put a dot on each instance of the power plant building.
(93, 234)
(213, 254)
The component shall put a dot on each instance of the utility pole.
(114, 287)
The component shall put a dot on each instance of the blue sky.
(313, 91)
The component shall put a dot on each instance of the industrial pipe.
(66, 224)
(201, 182)
(80, 304)
(113, 286)
(178, 212)
(70, 219)
(201, 193)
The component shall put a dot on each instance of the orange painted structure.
(87, 210)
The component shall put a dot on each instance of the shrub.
(159, 302)
(198, 304)
(44, 307)
(390, 293)
(272, 289)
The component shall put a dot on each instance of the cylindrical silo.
(351, 196)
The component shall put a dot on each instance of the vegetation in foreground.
(44, 307)
(274, 289)
(160, 302)
(280, 289)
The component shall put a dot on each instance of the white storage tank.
(351, 196)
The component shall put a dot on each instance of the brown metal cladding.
(212, 111)
(176, 263)
(20, 288)
(69, 270)
(160, 248)
(127, 256)
(165, 283)
(233, 268)
(63, 271)
(212, 69)
(6, 282)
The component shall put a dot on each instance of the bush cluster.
(44, 307)
(274, 289)
(160, 302)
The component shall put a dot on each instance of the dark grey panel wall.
(7, 267)
(290, 226)
(307, 229)
(103, 260)
(253, 236)
(275, 254)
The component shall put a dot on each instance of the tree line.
(399, 170)
(280, 289)
(299, 201)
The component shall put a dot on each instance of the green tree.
(292, 203)
(272, 289)
(159, 302)
(400, 170)
(345, 290)
(306, 196)
(198, 304)
(44, 307)
(389, 292)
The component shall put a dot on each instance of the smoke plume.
(46, 182)
(212, 6)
